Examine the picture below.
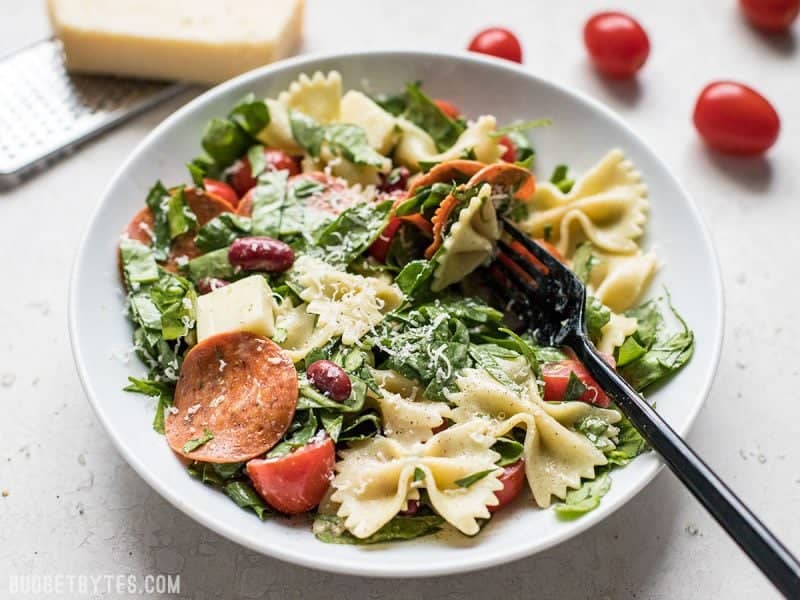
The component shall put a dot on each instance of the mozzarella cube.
(358, 109)
(245, 305)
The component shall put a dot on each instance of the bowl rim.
(331, 564)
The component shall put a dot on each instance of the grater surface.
(45, 111)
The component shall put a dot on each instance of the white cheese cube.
(207, 41)
(245, 305)
(358, 109)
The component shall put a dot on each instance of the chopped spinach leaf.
(560, 180)
(575, 388)
(330, 529)
(585, 498)
(195, 443)
(243, 494)
(510, 451)
(597, 317)
(138, 264)
(221, 231)
(469, 480)
(423, 112)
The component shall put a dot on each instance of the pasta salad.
(313, 315)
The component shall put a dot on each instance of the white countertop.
(75, 507)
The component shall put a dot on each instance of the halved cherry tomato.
(771, 15)
(295, 483)
(513, 480)
(510, 154)
(277, 160)
(448, 108)
(734, 118)
(380, 247)
(556, 377)
(498, 42)
(221, 189)
(616, 43)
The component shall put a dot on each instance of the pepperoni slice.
(506, 176)
(453, 170)
(205, 207)
(239, 386)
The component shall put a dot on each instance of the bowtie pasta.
(313, 315)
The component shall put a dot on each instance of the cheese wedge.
(204, 41)
(245, 305)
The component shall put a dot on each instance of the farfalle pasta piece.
(380, 126)
(416, 145)
(618, 281)
(318, 96)
(613, 333)
(335, 303)
(470, 241)
(375, 478)
(409, 421)
(278, 134)
(607, 206)
(556, 458)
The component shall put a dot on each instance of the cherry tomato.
(380, 247)
(510, 155)
(277, 160)
(617, 44)
(447, 108)
(513, 480)
(295, 483)
(222, 190)
(771, 15)
(498, 42)
(736, 119)
(556, 377)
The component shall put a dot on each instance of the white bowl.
(583, 131)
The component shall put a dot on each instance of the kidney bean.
(330, 379)
(412, 507)
(209, 284)
(261, 254)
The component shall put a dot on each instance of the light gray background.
(74, 506)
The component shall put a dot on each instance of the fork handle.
(758, 542)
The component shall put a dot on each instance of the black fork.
(554, 299)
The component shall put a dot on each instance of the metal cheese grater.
(46, 112)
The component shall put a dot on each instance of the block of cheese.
(245, 305)
(205, 41)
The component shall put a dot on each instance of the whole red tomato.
(617, 44)
(736, 119)
(771, 15)
(498, 42)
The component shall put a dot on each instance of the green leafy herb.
(468, 154)
(510, 451)
(303, 427)
(180, 217)
(351, 233)
(195, 443)
(575, 388)
(330, 529)
(414, 278)
(243, 494)
(158, 202)
(560, 180)
(221, 231)
(469, 480)
(138, 263)
(211, 264)
(224, 141)
(598, 431)
(585, 498)
(629, 445)
(547, 230)
(424, 113)
(667, 350)
(251, 115)
(629, 351)
(394, 104)
(257, 159)
(350, 141)
(597, 317)
(160, 389)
